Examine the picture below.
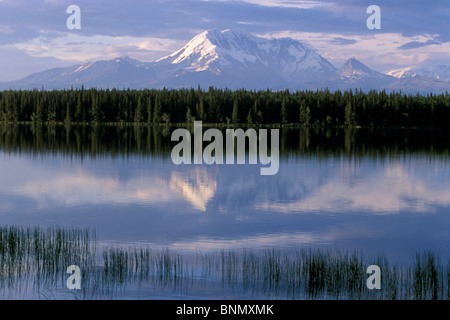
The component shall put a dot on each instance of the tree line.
(155, 106)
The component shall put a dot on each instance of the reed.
(37, 256)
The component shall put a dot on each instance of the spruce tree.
(235, 113)
(284, 115)
(157, 111)
(67, 119)
(149, 110)
(138, 112)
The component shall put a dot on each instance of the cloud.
(149, 30)
(343, 41)
(298, 4)
(416, 44)
(378, 51)
(71, 46)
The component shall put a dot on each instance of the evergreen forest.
(349, 108)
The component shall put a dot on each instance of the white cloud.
(299, 4)
(379, 51)
(72, 46)
(287, 4)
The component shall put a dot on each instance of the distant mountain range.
(235, 59)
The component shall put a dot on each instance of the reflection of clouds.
(85, 188)
(296, 239)
(254, 242)
(195, 186)
(307, 186)
(393, 190)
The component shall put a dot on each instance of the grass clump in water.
(41, 256)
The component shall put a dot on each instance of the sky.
(34, 35)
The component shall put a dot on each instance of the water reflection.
(33, 263)
(198, 186)
(55, 186)
(376, 190)
(311, 186)
(389, 188)
(121, 141)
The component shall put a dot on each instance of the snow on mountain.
(399, 73)
(235, 53)
(233, 59)
(118, 72)
(434, 71)
(355, 74)
(353, 69)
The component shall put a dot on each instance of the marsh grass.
(33, 260)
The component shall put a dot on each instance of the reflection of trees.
(122, 140)
(349, 140)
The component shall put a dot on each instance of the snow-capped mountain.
(103, 73)
(229, 58)
(354, 70)
(434, 71)
(355, 74)
(234, 52)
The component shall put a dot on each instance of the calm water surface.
(375, 191)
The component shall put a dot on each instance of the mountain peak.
(240, 53)
(355, 64)
(227, 33)
(434, 71)
(232, 58)
(124, 58)
(127, 59)
(353, 68)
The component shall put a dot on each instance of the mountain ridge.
(229, 58)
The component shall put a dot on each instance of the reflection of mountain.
(152, 200)
(196, 186)
(302, 185)
(50, 186)
(385, 189)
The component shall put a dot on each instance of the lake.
(376, 191)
